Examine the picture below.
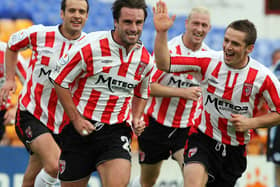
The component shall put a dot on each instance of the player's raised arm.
(162, 23)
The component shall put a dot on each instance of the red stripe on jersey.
(109, 109)
(45, 60)
(178, 50)
(222, 125)
(17, 122)
(69, 67)
(20, 45)
(229, 89)
(78, 93)
(272, 90)
(91, 104)
(51, 109)
(87, 54)
(69, 47)
(240, 137)
(105, 48)
(121, 116)
(145, 58)
(151, 108)
(62, 50)
(21, 70)
(49, 39)
(209, 127)
(248, 85)
(26, 98)
(106, 69)
(179, 112)
(65, 122)
(124, 65)
(2, 64)
(163, 109)
(215, 73)
(38, 96)
(137, 90)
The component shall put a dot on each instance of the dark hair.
(119, 4)
(247, 27)
(63, 5)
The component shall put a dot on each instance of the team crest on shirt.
(141, 68)
(64, 59)
(28, 132)
(62, 166)
(141, 156)
(247, 89)
(192, 152)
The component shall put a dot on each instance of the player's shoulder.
(175, 40)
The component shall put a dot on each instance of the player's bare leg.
(149, 174)
(195, 175)
(79, 183)
(115, 173)
(32, 170)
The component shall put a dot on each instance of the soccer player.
(273, 138)
(41, 117)
(171, 109)
(233, 84)
(104, 74)
(7, 111)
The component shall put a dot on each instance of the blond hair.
(200, 10)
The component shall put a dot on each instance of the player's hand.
(10, 116)
(8, 87)
(240, 122)
(138, 126)
(83, 126)
(162, 21)
(192, 93)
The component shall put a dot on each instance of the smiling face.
(129, 26)
(74, 18)
(197, 27)
(235, 48)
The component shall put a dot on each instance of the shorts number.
(126, 145)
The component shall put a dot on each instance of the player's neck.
(190, 45)
(70, 35)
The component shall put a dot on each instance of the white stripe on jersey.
(21, 69)
(38, 95)
(229, 91)
(174, 111)
(107, 77)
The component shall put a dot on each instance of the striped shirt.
(21, 69)
(38, 96)
(174, 111)
(229, 91)
(103, 77)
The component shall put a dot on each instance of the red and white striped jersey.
(21, 69)
(229, 91)
(38, 95)
(174, 111)
(105, 77)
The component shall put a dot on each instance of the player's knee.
(52, 169)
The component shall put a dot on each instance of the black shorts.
(2, 126)
(82, 154)
(29, 127)
(224, 163)
(158, 142)
(273, 145)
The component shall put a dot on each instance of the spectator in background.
(41, 117)
(8, 110)
(273, 138)
(232, 86)
(171, 109)
(111, 70)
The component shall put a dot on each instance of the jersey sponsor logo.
(179, 83)
(247, 89)
(45, 73)
(192, 152)
(62, 166)
(114, 83)
(223, 105)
